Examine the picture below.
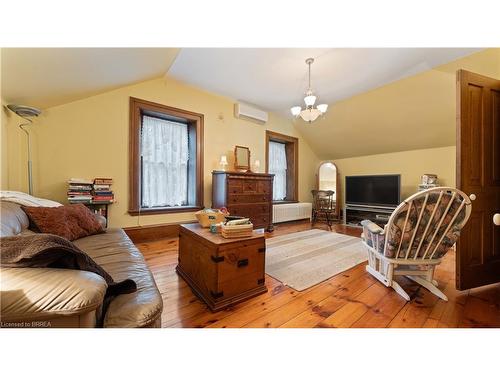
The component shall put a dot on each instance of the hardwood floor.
(350, 299)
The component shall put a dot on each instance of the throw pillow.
(71, 221)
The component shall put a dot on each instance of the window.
(166, 159)
(277, 166)
(282, 160)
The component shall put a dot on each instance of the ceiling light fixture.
(310, 112)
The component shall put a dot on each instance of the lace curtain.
(164, 151)
(277, 166)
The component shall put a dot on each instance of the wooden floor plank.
(319, 312)
(382, 313)
(307, 299)
(352, 311)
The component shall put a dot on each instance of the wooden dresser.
(222, 272)
(245, 194)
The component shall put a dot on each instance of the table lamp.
(256, 166)
(223, 162)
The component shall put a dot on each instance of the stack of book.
(79, 190)
(101, 192)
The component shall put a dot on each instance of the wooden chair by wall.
(418, 234)
(323, 206)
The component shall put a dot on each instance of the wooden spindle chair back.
(418, 234)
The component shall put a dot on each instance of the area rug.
(304, 259)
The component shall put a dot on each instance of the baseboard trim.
(146, 233)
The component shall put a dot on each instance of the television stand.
(355, 214)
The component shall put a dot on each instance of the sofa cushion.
(71, 221)
(13, 219)
(48, 293)
(116, 253)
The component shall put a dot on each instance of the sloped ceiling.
(45, 77)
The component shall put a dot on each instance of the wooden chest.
(221, 271)
(245, 194)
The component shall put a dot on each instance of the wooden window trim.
(138, 107)
(292, 156)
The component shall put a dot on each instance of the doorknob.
(496, 219)
(472, 197)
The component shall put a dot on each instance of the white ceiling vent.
(249, 112)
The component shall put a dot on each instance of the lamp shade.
(310, 115)
(322, 107)
(295, 110)
(310, 100)
(223, 160)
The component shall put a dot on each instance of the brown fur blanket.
(48, 250)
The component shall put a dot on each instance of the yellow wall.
(89, 138)
(410, 164)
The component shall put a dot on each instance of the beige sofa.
(50, 297)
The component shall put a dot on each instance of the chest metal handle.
(243, 263)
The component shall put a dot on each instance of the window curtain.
(277, 166)
(164, 151)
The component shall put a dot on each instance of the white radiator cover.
(291, 211)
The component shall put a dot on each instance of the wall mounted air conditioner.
(249, 112)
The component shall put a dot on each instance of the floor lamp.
(26, 113)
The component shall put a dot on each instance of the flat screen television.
(376, 190)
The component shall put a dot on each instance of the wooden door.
(478, 174)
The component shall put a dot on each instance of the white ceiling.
(45, 77)
(275, 79)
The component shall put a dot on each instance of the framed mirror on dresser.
(241, 158)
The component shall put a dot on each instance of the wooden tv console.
(355, 214)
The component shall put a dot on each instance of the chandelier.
(310, 112)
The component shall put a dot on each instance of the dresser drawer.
(248, 209)
(250, 186)
(234, 186)
(238, 186)
(264, 187)
(261, 221)
(247, 198)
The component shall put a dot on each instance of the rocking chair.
(417, 236)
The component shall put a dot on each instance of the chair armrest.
(371, 227)
(48, 293)
(373, 236)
